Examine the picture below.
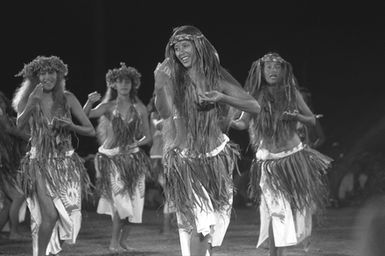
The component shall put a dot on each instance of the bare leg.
(124, 235)
(4, 212)
(274, 251)
(49, 216)
(166, 223)
(17, 200)
(199, 244)
(165, 229)
(210, 250)
(116, 230)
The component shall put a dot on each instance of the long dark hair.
(207, 62)
(256, 81)
(282, 97)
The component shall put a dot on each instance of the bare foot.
(306, 245)
(125, 246)
(165, 230)
(117, 249)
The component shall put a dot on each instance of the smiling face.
(48, 79)
(185, 52)
(272, 72)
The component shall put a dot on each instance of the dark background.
(337, 49)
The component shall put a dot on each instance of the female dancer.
(120, 163)
(52, 174)
(287, 175)
(192, 88)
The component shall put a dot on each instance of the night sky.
(337, 52)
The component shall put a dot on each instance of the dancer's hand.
(94, 97)
(62, 123)
(132, 146)
(290, 115)
(211, 96)
(37, 94)
(162, 73)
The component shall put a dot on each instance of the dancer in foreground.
(193, 89)
(52, 174)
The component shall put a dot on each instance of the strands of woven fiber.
(200, 125)
(103, 129)
(51, 160)
(49, 140)
(226, 112)
(274, 100)
(130, 167)
(208, 61)
(125, 131)
(188, 176)
(55, 171)
(168, 134)
(186, 94)
(269, 125)
(299, 177)
(254, 78)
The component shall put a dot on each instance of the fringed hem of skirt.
(190, 180)
(55, 171)
(130, 167)
(300, 177)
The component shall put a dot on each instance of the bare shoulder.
(141, 108)
(110, 105)
(69, 94)
(229, 87)
(228, 82)
(70, 97)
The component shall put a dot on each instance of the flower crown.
(43, 64)
(123, 72)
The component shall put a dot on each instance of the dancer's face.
(123, 86)
(185, 52)
(48, 79)
(272, 72)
